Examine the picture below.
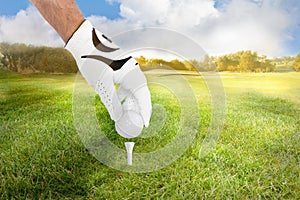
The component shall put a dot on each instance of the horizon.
(165, 57)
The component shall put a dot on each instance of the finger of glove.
(128, 101)
(132, 79)
(107, 92)
(130, 76)
(142, 106)
(143, 98)
(122, 94)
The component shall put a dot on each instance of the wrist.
(73, 30)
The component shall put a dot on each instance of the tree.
(244, 61)
(223, 63)
(177, 65)
(188, 65)
(229, 62)
(141, 60)
(206, 64)
(264, 64)
(296, 64)
(202, 66)
(248, 61)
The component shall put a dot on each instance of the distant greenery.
(296, 64)
(286, 61)
(27, 59)
(204, 64)
(244, 61)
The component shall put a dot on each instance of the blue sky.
(271, 27)
(88, 7)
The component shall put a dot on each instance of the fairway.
(257, 154)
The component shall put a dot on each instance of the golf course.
(256, 154)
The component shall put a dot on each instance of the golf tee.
(129, 149)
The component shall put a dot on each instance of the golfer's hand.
(94, 54)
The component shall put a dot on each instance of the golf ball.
(130, 125)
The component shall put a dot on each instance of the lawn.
(256, 156)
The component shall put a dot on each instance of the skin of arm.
(63, 15)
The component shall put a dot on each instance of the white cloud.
(246, 25)
(259, 25)
(28, 27)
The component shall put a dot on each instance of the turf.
(257, 155)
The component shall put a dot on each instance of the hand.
(94, 54)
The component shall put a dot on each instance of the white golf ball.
(130, 125)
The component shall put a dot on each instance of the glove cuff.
(80, 42)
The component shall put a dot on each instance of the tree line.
(204, 64)
(27, 59)
(241, 61)
(245, 61)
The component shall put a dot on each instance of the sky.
(270, 27)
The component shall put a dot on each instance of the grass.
(256, 157)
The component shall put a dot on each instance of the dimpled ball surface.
(130, 125)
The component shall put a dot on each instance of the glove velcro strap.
(133, 80)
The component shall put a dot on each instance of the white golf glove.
(95, 56)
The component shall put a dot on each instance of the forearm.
(63, 15)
